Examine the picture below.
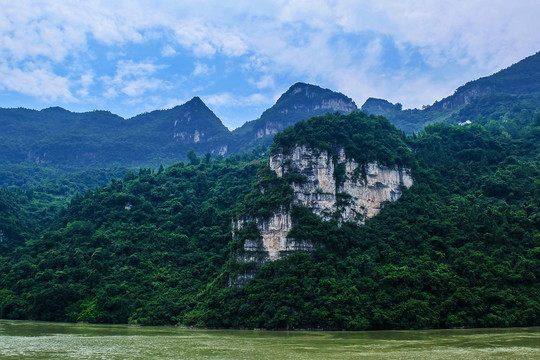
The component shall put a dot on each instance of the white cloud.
(230, 43)
(229, 99)
(110, 93)
(487, 34)
(131, 68)
(337, 44)
(206, 40)
(203, 69)
(265, 81)
(133, 79)
(86, 80)
(140, 86)
(478, 29)
(372, 54)
(168, 50)
(36, 81)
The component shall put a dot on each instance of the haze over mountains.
(100, 138)
(57, 136)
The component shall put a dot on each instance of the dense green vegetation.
(364, 138)
(460, 248)
(136, 250)
(99, 139)
(66, 141)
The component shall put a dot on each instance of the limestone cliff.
(332, 187)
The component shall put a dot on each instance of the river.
(42, 340)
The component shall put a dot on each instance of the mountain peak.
(301, 86)
(196, 112)
(196, 101)
(300, 102)
(56, 109)
(302, 90)
(379, 106)
(313, 99)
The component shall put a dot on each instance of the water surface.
(41, 340)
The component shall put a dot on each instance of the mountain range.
(56, 136)
(517, 86)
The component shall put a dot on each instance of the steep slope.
(300, 102)
(516, 86)
(191, 125)
(459, 247)
(56, 136)
(339, 167)
(521, 78)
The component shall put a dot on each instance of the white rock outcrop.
(353, 193)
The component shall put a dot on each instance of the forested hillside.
(66, 153)
(135, 250)
(459, 248)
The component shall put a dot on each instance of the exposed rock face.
(273, 243)
(220, 150)
(333, 188)
(300, 102)
(463, 96)
(270, 128)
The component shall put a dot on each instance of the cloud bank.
(134, 56)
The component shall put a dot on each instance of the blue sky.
(239, 56)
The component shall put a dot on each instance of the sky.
(239, 56)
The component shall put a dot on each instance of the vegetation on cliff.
(460, 248)
(363, 138)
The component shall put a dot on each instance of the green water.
(37, 340)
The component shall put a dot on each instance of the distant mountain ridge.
(518, 84)
(192, 124)
(58, 136)
(300, 102)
